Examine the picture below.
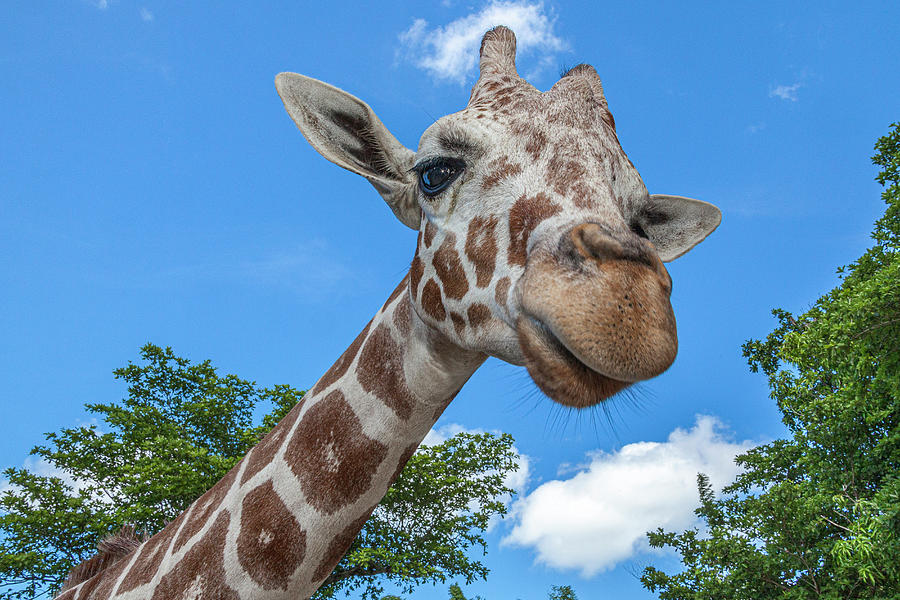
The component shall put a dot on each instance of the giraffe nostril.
(592, 241)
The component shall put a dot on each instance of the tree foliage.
(562, 592)
(455, 593)
(816, 515)
(557, 592)
(438, 509)
(179, 430)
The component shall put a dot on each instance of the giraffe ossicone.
(538, 244)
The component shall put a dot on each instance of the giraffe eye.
(437, 174)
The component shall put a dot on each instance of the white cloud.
(40, 466)
(444, 432)
(786, 92)
(146, 15)
(451, 52)
(600, 516)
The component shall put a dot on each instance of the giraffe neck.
(277, 524)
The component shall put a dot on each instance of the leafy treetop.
(816, 515)
(179, 429)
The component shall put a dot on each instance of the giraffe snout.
(592, 247)
(596, 242)
(595, 314)
(591, 241)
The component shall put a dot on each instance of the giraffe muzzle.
(595, 318)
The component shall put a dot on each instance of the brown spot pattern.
(200, 573)
(449, 268)
(89, 586)
(459, 323)
(339, 546)
(582, 195)
(478, 314)
(338, 369)
(101, 586)
(204, 508)
(535, 143)
(502, 98)
(403, 318)
(443, 406)
(150, 556)
(429, 234)
(271, 544)
(380, 372)
(263, 453)
(526, 214)
(331, 456)
(431, 301)
(571, 144)
(416, 270)
(562, 115)
(481, 248)
(502, 169)
(563, 173)
(501, 292)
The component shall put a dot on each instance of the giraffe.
(538, 243)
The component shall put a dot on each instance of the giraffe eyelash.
(435, 161)
(436, 174)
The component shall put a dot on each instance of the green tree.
(437, 510)
(562, 592)
(456, 593)
(816, 515)
(557, 592)
(179, 429)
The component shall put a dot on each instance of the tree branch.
(875, 326)
(835, 524)
(357, 571)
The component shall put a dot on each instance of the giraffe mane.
(110, 550)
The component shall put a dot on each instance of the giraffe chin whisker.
(558, 372)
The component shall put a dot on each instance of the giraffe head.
(538, 241)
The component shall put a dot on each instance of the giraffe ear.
(343, 129)
(676, 224)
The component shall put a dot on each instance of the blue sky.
(154, 189)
